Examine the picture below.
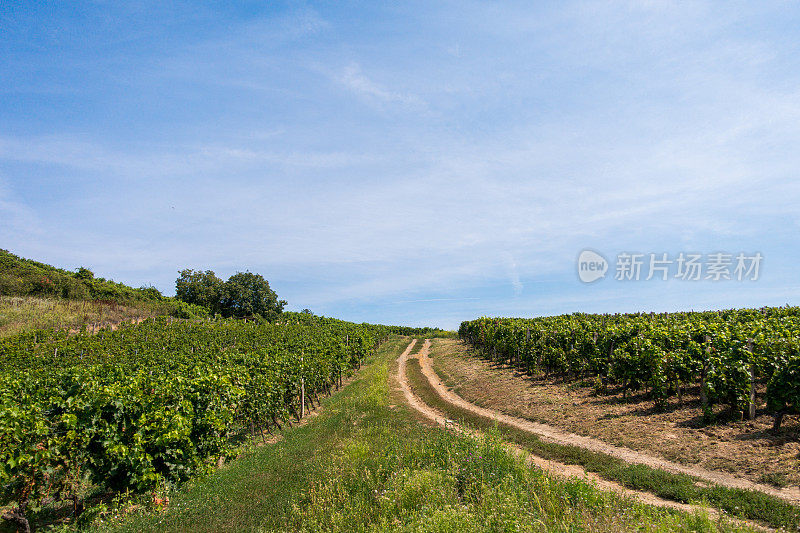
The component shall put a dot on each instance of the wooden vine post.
(751, 405)
(527, 347)
(302, 390)
(302, 397)
(703, 396)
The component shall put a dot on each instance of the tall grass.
(22, 313)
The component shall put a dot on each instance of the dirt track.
(546, 432)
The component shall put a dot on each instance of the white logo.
(591, 266)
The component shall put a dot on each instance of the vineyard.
(155, 404)
(727, 355)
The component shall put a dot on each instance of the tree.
(248, 294)
(200, 288)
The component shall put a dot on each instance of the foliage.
(677, 487)
(189, 311)
(365, 465)
(24, 277)
(247, 294)
(151, 293)
(159, 402)
(423, 333)
(659, 352)
(200, 288)
(84, 273)
(291, 317)
(244, 294)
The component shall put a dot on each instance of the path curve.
(558, 436)
(553, 467)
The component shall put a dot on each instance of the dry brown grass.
(22, 313)
(750, 448)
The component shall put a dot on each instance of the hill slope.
(35, 295)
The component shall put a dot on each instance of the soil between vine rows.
(749, 449)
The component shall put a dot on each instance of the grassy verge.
(677, 487)
(366, 464)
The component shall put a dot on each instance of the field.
(367, 463)
(378, 267)
(159, 423)
(727, 355)
(148, 406)
(644, 477)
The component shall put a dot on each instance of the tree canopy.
(244, 294)
(200, 288)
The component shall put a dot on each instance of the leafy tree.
(200, 288)
(307, 312)
(248, 294)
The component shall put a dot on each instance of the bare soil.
(748, 450)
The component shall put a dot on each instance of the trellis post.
(751, 405)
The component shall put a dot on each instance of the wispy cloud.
(18, 220)
(449, 164)
(158, 161)
(421, 300)
(353, 78)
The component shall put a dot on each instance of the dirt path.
(553, 467)
(549, 433)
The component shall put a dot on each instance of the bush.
(187, 310)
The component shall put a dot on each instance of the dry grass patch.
(23, 313)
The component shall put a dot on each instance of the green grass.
(777, 479)
(365, 463)
(677, 487)
(417, 346)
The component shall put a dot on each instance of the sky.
(414, 163)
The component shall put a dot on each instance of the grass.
(777, 479)
(417, 346)
(677, 487)
(365, 463)
(22, 313)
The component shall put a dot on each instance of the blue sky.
(412, 163)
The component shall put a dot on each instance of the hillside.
(35, 295)
(25, 277)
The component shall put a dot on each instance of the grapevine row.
(726, 353)
(157, 403)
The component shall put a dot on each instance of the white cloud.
(354, 79)
(494, 144)
(178, 160)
